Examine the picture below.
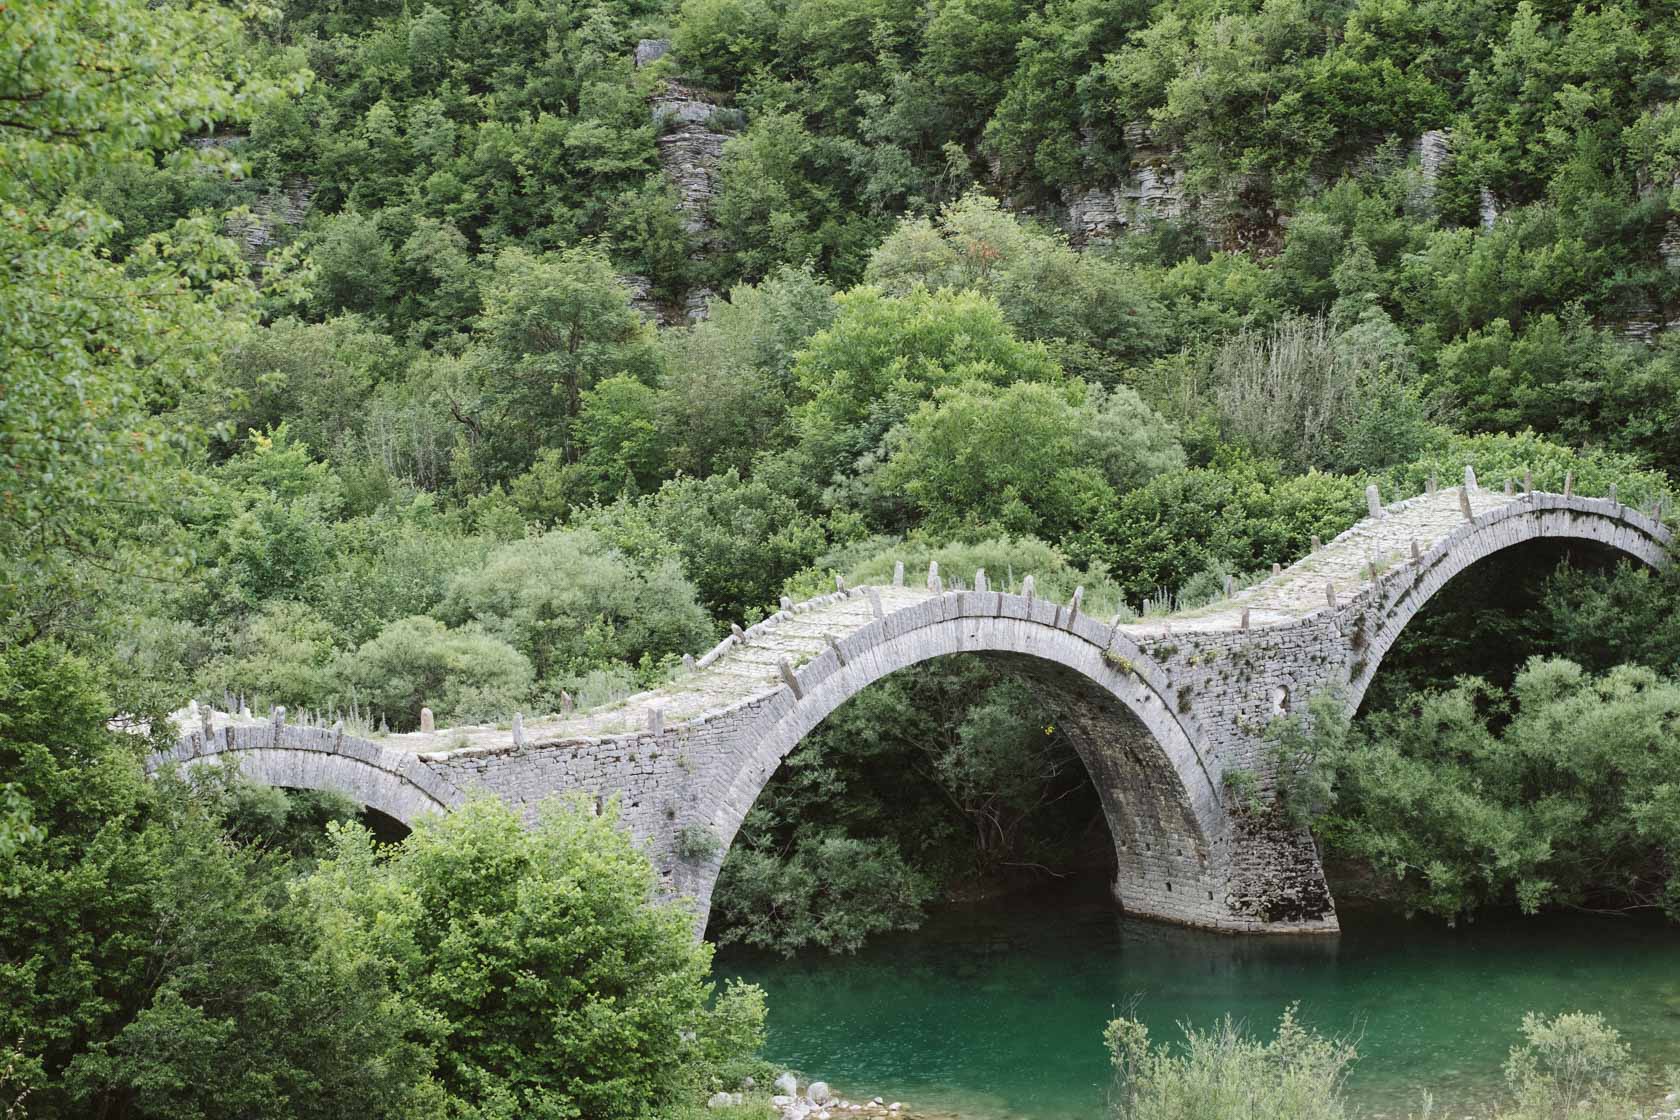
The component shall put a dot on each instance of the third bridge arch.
(1160, 710)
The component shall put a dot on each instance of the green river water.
(996, 1010)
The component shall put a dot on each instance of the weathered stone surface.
(1154, 188)
(690, 149)
(1434, 151)
(285, 205)
(648, 50)
(1160, 710)
(691, 136)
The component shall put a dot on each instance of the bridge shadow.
(386, 829)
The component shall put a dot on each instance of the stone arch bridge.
(1160, 710)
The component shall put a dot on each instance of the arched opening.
(1489, 619)
(311, 810)
(963, 776)
(386, 829)
(384, 786)
(1499, 748)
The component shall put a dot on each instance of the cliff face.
(1154, 189)
(691, 138)
(282, 205)
(286, 205)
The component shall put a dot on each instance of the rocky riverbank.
(816, 1100)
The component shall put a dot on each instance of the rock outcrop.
(285, 205)
(691, 133)
(1154, 189)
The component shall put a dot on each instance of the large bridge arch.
(1546, 517)
(1160, 796)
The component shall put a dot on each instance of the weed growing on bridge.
(697, 842)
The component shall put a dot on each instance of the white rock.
(781, 1100)
(788, 1084)
(719, 1100)
(818, 1092)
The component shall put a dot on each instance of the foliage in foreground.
(1225, 1074)
(1572, 1066)
(166, 950)
(558, 989)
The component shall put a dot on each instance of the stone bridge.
(1161, 710)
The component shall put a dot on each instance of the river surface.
(996, 1010)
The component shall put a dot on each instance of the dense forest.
(360, 356)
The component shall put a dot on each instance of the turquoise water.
(996, 1010)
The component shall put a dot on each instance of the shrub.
(1573, 1066)
(1558, 792)
(735, 540)
(1225, 1074)
(570, 601)
(462, 675)
(557, 988)
(833, 893)
(284, 655)
(1032, 458)
(697, 842)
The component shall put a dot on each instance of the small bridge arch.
(387, 779)
(1542, 517)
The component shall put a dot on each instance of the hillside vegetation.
(347, 367)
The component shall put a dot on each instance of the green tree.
(830, 892)
(777, 201)
(1032, 459)
(560, 989)
(620, 437)
(737, 540)
(1558, 793)
(553, 327)
(1096, 314)
(97, 352)
(313, 377)
(353, 267)
(728, 381)
(1241, 516)
(152, 966)
(571, 602)
(463, 675)
(724, 41)
(883, 356)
